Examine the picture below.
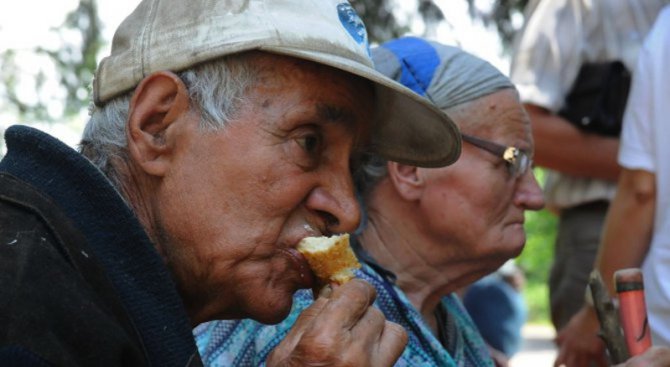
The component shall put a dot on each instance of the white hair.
(217, 89)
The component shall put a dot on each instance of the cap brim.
(410, 129)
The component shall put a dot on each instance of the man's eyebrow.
(341, 115)
(330, 113)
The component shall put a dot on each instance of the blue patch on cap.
(418, 61)
(353, 24)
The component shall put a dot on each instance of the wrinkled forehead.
(280, 69)
(511, 117)
(330, 94)
(500, 112)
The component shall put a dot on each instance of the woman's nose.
(528, 192)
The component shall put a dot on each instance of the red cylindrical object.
(633, 310)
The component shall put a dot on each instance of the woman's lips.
(300, 263)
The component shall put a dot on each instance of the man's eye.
(309, 143)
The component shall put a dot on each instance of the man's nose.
(336, 204)
(528, 193)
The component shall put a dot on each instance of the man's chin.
(272, 313)
(274, 318)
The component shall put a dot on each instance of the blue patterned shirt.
(248, 343)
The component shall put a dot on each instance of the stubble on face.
(240, 197)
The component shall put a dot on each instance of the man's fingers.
(560, 358)
(569, 355)
(389, 338)
(310, 313)
(348, 303)
(654, 357)
(325, 291)
(302, 324)
(393, 341)
(343, 329)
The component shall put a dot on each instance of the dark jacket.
(80, 282)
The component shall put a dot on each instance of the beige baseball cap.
(177, 34)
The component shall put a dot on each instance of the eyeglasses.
(518, 161)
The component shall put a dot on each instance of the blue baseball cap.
(446, 75)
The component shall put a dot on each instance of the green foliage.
(537, 257)
(383, 24)
(379, 19)
(76, 63)
(73, 63)
(502, 14)
(536, 296)
(9, 83)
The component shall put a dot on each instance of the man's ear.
(159, 101)
(407, 180)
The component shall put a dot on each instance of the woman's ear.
(407, 180)
(160, 100)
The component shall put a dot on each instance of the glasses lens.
(520, 165)
(518, 161)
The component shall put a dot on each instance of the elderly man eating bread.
(222, 133)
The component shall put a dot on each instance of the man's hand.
(341, 329)
(578, 341)
(653, 357)
(499, 358)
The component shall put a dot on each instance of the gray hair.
(217, 89)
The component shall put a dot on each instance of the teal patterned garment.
(248, 343)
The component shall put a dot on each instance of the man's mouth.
(306, 275)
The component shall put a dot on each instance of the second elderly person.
(429, 232)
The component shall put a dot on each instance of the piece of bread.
(330, 258)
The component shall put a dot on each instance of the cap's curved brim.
(410, 129)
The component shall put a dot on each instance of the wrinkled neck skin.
(139, 191)
(390, 244)
(395, 240)
(135, 188)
